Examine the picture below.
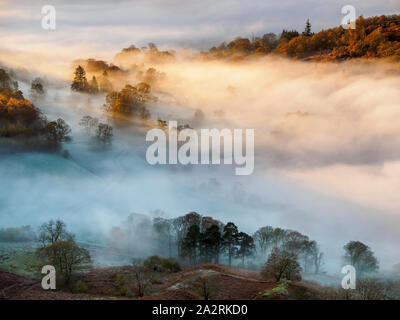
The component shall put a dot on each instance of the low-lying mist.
(327, 153)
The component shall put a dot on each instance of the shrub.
(159, 264)
(279, 290)
(81, 287)
(371, 289)
(121, 284)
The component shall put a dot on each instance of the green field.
(19, 258)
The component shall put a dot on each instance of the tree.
(278, 237)
(246, 246)
(60, 250)
(261, 46)
(361, 257)
(240, 45)
(230, 239)
(159, 264)
(88, 123)
(205, 287)
(142, 278)
(163, 230)
(281, 264)
(104, 133)
(264, 238)
(181, 225)
(190, 243)
(93, 86)
(307, 30)
(80, 83)
(57, 132)
(6, 82)
(179, 231)
(288, 35)
(298, 47)
(131, 100)
(105, 83)
(271, 39)
(67, 257)
(210, 244)
(373, 289)
(37, 89)
(317, 257)
(298, 244)
(18, 115)
(52, 232)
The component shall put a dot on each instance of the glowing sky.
(104, 27)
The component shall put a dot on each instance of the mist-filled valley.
(315, 126)
(326, 156)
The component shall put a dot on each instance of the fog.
(326, 154)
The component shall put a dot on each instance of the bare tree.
(142, 279)
(205, 287)
(52, 232)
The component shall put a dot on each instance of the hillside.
(373, 37)
(101, 283)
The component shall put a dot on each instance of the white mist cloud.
(327, 142)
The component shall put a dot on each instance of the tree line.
(192, 239)
(373, 37)
(199, 239)
(20, 118)
(195, 239)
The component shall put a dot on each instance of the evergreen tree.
(307, 31)
(210, 244)
(230, 239)
(80, 83)
(288, 35)
(190, 244)
(246, 246)
(105, 83)
(93, 86)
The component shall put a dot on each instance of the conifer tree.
(80, 83)
(246, 246)
(230, 239)
(307, 31)
(94, 87)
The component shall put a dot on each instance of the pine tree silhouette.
(307, 31)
